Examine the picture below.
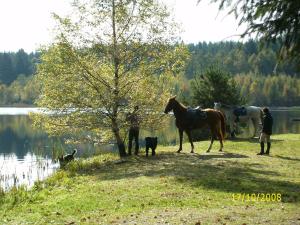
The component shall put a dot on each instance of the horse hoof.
(208, 151)
(220, 150)
(192, 152)
(179, 151)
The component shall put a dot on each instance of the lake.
(28, 155)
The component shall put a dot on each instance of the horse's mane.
(182, 105)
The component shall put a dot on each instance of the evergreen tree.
(212, 86)
(22, 63)
(7, 74)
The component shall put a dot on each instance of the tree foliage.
(109, 56)
(271, 20)
(6, 69)
(237, 58)
(247, 62)
(22, 91)
(280, 90)
(212, 86)
(14, 64)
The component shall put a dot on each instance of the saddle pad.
(195, 114)
(242, 111)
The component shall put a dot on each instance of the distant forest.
(251, 65)
(238, 58)
(14, 64)
(16, 78)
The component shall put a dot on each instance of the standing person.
(266, 131)
(134, 130)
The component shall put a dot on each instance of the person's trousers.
(133, 134)
(264, 137)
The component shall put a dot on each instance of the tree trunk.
(115, 127)
(120, 143)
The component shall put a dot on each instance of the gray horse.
(248, 113)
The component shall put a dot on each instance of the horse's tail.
(223, 126)
(261, 120)
(261, 115)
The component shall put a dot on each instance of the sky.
(27, 24)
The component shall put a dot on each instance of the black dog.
(151, 142)
(67, 158)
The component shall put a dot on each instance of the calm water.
(28, 155)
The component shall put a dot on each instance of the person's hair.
(266, 110)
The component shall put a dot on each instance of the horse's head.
(217, 105)
(170, 105)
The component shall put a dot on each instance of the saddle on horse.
(195, 114)
(241, 111)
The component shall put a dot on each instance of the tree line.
(16, 77)
(13, 64)
(250, 64)
(236, 58)
(215, 85)
(280, 90)
(22, 91)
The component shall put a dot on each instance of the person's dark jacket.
(267, 123)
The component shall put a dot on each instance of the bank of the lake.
(170, 188)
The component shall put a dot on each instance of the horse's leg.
(190, 140)
(180, 140)
(211, 143)
(211, 140)
(220, 139)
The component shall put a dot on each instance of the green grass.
(170, 188)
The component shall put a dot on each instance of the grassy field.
(170, 188)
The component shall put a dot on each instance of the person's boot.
(262, 148)
(268, 148)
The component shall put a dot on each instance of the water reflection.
(25, 171)
(283, 121)
(26, 154)
(18, 137)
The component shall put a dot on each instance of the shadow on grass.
(287, 158)
(252, 140)
(225, 155)
(224, 173)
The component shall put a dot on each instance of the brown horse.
(214, 119)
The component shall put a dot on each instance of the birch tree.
(109, 56)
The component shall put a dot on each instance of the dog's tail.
(74, 152)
